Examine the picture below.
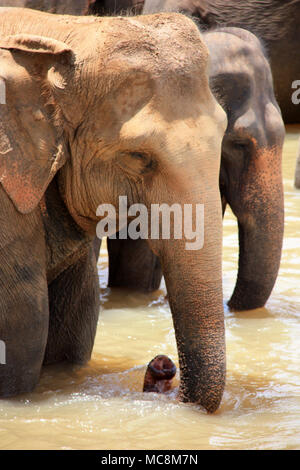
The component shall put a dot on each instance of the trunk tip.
(159, 374)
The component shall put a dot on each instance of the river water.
(101, 406)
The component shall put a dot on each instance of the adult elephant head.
(250, 175)
(122, 107)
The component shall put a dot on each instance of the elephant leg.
(133, 265)
(74, 309)
(24, 312)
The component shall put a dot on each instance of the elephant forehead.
(159, 44)
(231, 53)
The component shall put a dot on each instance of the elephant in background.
(98, 108)
(250, 174)
(68, 7)
(297, 171)
(80, 7)
(274, 22)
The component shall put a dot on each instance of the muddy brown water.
(101, 406)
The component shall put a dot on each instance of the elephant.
(130, 260)
(97, 108)
(79, 7)
(297, 171)
(275, 22)
(250, 174)
(159, 374)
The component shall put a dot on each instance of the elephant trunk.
(261, 224)
(197, 310)
(194, 285)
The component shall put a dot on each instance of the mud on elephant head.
(107, 107)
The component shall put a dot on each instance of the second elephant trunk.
(261, 222)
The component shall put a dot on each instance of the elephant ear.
(33, 71)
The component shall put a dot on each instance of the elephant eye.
(145, 160)
(241, 143)
(136, 163)
(139, 156)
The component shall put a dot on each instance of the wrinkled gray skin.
(98, 108)
(297, 172)
(250, 175)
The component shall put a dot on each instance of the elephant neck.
(65, 240)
